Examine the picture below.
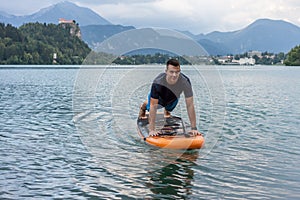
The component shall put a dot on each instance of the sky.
(196, 16)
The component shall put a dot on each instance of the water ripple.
(52, 147)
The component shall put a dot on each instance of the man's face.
(172, 74)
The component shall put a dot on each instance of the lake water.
(71, 134)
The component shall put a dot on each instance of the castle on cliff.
(71, 25)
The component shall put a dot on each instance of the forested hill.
(293, 57)
(36, 43)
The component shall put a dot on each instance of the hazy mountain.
(67, 10)
(262, 35)
(93, 34)
(214, 48)
(4, 15)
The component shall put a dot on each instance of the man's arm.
(152, 116)
(192, 114)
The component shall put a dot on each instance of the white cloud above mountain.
(193, 15)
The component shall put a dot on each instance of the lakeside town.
(251, 58)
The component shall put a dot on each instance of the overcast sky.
(197, 16)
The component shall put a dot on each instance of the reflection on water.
(174, 180)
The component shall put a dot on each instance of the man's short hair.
(173, 62)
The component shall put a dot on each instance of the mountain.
(67, 10)
(4, 15)
(94, 34)
(262, 35)
(214, 48)
(273, 36)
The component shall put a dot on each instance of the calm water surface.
(71, 134)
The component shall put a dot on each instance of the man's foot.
(167, 113)
(142, 113)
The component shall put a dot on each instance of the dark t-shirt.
(166, 93)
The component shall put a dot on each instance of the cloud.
(164, 13)
(96, 2)
(193, 15)
(24, 7)
(198, 16)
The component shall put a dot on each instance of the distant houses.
(247, 59)
(251, 58)
(229, 60)
(251, 54)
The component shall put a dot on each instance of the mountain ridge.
(83, 16)
(262, 35)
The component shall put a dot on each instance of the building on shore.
(229, 60)
(71, 25)
(245, 61)
(251, 54)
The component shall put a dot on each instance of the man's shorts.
(168, 107)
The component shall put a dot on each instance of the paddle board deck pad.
(174, 133)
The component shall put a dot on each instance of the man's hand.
(153, 133)
(195, 132)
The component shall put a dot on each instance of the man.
(165, 91)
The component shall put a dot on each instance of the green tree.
(35, 43)
(293, 57)
(2, 51)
